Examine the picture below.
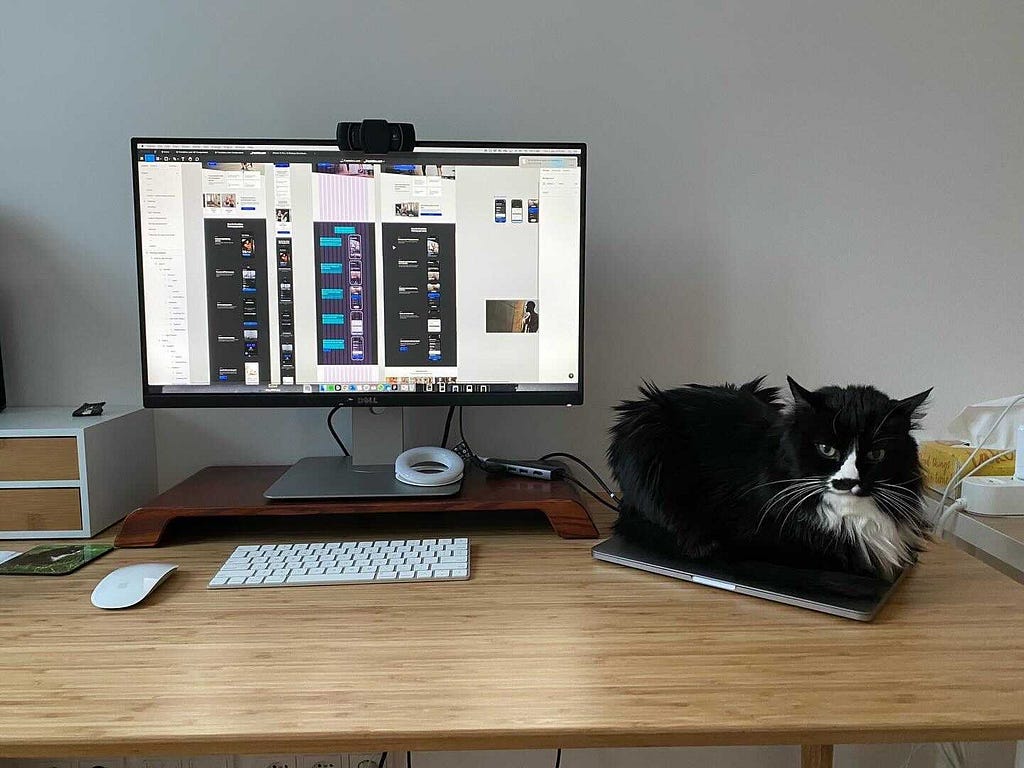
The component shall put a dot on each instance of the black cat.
(832, 481)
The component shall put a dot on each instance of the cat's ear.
(910, 407)
(801, 395)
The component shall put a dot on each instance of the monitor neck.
(378, 435)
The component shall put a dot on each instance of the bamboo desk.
(544, 647)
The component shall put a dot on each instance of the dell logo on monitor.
(366, 400)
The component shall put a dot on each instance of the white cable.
(959, 505)
(953, 754)
(956, 475)
(913, 751)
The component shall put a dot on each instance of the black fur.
(732, 471)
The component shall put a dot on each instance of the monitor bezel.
(358, 399)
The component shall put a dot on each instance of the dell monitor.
(291, 273)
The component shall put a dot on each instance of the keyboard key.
(340, 578)
(218, 581)
(459, 573)
(240, 574)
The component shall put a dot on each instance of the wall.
(822, 188)
(827, 189)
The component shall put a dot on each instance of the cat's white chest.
(859, 518)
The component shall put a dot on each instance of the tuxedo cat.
(831, 481)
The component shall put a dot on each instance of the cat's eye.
(826, 450)
(876, 454)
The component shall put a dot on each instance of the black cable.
(408, 760)
(582, 463)
(447, 426)
(558, 758)
(593, 493)
(334, 434)
(477, 462)
(462, 435)
(383, 757)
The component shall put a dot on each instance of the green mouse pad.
(53, 559)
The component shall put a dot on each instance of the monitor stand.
(378, 437)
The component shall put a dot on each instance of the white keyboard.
(344, 562)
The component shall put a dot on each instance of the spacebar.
(332, 578)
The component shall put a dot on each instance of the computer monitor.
(289, 273)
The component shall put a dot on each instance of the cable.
(471, 454)
(558, 758)
(953, 753)
(408, 760)
(958, 505)
(383, 757)
(913, 751)
(334, 434)
(582, 463)
(956, 475)
(462, 437)
(593, 493)
(447, 426)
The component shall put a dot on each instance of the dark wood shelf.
(237, 491)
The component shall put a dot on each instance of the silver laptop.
(848, 595)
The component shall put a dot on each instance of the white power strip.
(993, 496)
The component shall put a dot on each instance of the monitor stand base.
(336, 477)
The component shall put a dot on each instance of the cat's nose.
(844, 484)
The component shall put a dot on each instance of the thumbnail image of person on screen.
(531, 318)
(512, 316)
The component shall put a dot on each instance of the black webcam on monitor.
(376, 137)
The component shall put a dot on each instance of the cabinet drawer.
(40, 509)
(38, 458)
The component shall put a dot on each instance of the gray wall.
(828, 189)
(831, 189)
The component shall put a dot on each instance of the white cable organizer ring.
(419, 466)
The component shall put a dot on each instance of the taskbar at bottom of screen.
(459, 388)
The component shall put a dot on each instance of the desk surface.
(543, 647)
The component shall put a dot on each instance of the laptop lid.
(848, 595)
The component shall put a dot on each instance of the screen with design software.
(289, 272)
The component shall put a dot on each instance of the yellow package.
(941, 459)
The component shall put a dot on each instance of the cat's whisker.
(898, 488)
(792, 488)
(776, 482)
(796, 504)
(911, 503)
(785, 499)
(782, 495)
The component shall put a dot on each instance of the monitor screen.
(287, 272)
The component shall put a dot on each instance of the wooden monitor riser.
(238, 491)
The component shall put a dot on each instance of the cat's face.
(856, 441)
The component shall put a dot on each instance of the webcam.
(376, 137)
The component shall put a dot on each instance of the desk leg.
(816, 756)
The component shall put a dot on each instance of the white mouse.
(130, 585)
